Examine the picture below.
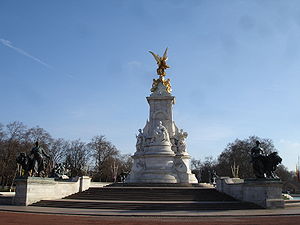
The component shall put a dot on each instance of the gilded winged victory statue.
(162, 66)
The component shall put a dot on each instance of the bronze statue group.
(36, 162)
(264, 166)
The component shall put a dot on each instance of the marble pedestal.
(154, 166)
(161, 155)
(263, 192)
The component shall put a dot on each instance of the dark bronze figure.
(257, 159)
(26, 164)
(39, 160)
(264, 166)
(33, 164)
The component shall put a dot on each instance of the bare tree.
(103, 153)
(196, 164)
(2, 132)
(57, 149)
(39, 134)
(114, 169)
(76, 158)
(284, 174)
(125, 163)
(196, 167)
(11, 144)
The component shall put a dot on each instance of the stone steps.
(149, 198)
(152, 194)
(135, 205)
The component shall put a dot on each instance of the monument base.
(263, 192)
(161, 168)
(153, 168)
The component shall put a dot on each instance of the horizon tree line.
(102, 161)
(98, 158)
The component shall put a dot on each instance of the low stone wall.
(33, 189)
(99, 184)
(265, 193)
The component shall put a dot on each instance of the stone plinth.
(263, 192)
(161, 110)
(153, 168)
(33, 189)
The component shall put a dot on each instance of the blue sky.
(82, 68)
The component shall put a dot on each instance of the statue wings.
(165, 57)
(158, 58)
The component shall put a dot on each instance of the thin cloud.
(8, 44)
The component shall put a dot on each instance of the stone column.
(161, 110)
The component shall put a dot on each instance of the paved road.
(13, 218)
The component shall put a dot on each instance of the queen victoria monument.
(161, 153)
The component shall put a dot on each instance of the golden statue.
(162, 66)
(167, 84)
(161, 62)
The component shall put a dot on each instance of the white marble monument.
(161, 155)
